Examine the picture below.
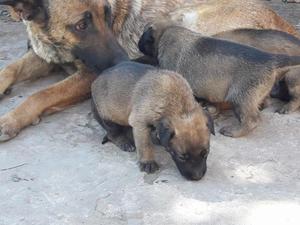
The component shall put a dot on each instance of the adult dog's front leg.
(27, 67)
(67, 92)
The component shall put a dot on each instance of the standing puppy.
(276, 42)
(218, 71)
(160, 107)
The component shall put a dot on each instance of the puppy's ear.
(26, 9)
(147, 42)
(210, 123)
(165, 132)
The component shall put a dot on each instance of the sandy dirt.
(58, 173)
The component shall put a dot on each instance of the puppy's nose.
(198, 175)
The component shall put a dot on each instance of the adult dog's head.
(187, 139)
(64, 30)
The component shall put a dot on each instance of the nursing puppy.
(160, 107)
(218, 71)
(277, 42)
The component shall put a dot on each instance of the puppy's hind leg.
(246, 108)
(120, 136)
(246, 103)
(248, 120)
(292, 80)
(290, 107)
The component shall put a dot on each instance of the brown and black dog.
(57, 27)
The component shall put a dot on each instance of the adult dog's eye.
(85, 22)
(81, 25)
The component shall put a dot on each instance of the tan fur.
(20, 71)
(173, 100)
(52, 41)
(146, 98)
(215, 16)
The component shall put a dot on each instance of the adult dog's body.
(53, 28)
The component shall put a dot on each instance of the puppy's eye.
(81, 25)
(184, 157)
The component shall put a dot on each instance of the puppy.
(218, 71)
(277, 42)
(159, 107)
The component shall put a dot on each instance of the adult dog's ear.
(27, 9)
(147, 42)
(210, 123)
(165, 132)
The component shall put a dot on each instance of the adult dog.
(56, 27)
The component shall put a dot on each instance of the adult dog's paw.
(148, 167)
(9, 128)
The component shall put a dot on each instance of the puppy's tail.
(287, 61)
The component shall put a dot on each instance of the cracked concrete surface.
(58, 172)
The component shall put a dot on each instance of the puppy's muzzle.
(193, 169)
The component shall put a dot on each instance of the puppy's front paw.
(8, 128)
(148, 167)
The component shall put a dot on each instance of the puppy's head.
(187, 139)
(75, 29)
(149, 42)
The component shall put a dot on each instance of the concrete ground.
(58, 172)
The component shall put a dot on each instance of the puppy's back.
(273, 41)
(163, 92)
(112, 90)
